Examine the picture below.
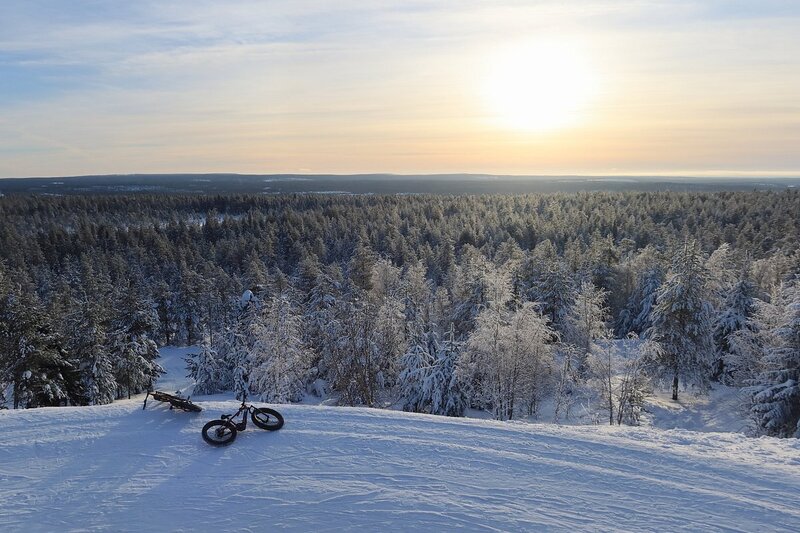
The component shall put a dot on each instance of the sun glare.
(539, 87)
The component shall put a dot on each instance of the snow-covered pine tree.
(585, 322)
(603, 259)
(189, 305)
(735, 315)
(35, 363)
(682, 323)
(206, 369)
(239, 342)
(132, 347)
(721, 268)
(279, 360)
(415, 366)
(636, 317)
(320, 317)
(389, 340)
(443, 387)
(354, 367)
(165, 299)
(775, 394)
(555, 293)
(416, 292)
(89, 346)
(360, 268)
(479, 284)
(5, 332)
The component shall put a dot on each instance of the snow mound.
(119, 468)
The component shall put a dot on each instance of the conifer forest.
(428, 303)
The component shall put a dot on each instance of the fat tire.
(212, 425)
(271, 413)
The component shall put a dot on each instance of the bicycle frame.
(244, 408)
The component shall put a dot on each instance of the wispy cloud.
(385, 86)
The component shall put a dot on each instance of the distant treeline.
(377, 184)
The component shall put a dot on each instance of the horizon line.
(736, 175)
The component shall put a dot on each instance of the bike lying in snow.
(176, 402)
(223, 431)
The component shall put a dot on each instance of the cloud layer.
(251, 86)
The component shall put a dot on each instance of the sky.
(537, 87)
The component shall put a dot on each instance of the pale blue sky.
(244, 86)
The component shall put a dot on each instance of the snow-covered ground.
(119, 468)
(722, 409)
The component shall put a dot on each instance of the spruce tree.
(206, 369)
(132, 345)
(279, 361)
(735, 315)
(414, 367)
(776, 393)
(90, 347)
(35, 362)
(682, 323)
(636, 316)
(443, 387)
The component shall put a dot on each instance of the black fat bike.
(223, 431)
(175, 401)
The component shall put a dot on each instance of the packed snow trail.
(120, 468)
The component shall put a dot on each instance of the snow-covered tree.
(415, 366)
(776, 391)
(132, 347)
(320, 331)
(735, 315)
(353, 365)
(5, 332)
(566, 380)
(636, 316)
(506, 355)
(360, 268)
(429, 381)
(34, 362)
(443, 386)
(585, 322)
(416, 297)
(189, 306)
(479, 284)
(389, 340)
(280, 359)
(206, 369)
(682, 323)
(89, 346)
(616, 374)
(721, 267)
(634, 384)
(555, 293)
(238, 343)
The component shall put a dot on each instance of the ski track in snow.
(120, 468)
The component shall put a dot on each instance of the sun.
(539, 87)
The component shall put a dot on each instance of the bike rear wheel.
(219, 433)
(267, 418)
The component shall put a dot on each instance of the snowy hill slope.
(119, 468)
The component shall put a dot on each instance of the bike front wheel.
(267, 418)
(219, 433)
